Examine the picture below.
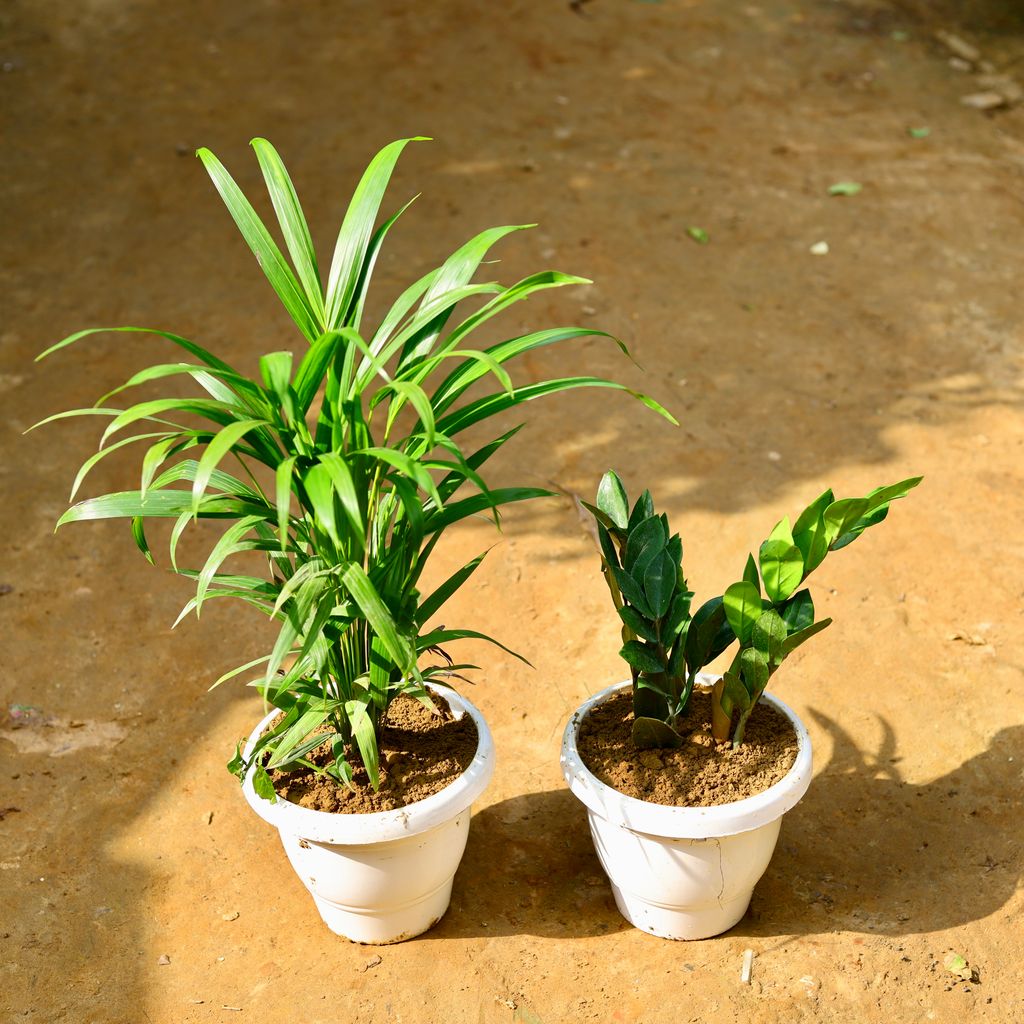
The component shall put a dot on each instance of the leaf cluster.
(347, 464)
(766, 613)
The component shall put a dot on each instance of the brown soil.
(420, 754)
(701, 773)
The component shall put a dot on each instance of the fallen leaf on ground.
(956, 964)
(698, 235)
(845, 188)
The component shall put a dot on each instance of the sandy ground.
(616, 126)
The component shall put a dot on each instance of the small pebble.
(164, 960)
(819, 249)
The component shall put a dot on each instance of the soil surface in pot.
(420, 754)
(700, 773)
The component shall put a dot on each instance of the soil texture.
(420, 754)
(700, 773)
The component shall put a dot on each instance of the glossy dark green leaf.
(632, 591)
(646, 533)
(735, 694)
(704, 634)
(660, 583)
(653, 734)
(643, 509)
(798, 611)
(608, 552)
(768, 636)
(641, 657)
(678, 613)
(754, 670)
(636, 622)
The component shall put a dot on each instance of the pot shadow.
(867, 851)
(864, 851)
(530, 869)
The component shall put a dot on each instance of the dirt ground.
(616, 126)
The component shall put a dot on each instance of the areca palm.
(363, 485)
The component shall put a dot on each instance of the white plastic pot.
(683, 872)
(386, 876)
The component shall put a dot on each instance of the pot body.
(382, 877)
(683, 872)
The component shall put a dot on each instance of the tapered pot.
(683, 872)
(387, 876)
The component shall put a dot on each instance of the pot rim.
(681, 822)
(381, 826)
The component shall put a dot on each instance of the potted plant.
(347, 467)
(685, 787)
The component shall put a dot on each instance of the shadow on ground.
(880, 845)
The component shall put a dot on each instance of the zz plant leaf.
(766, 614)
(345, 497)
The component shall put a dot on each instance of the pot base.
(673, 923)
(374, 929)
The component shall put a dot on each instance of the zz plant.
(350, 465)
(766, 613)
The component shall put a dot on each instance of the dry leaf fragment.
(956, 964)
(971, 639)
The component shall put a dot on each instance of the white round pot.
(683, 872)
(386, 876)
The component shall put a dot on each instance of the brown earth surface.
(136, 886)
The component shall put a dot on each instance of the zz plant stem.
(353, 465)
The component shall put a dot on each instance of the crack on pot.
(721, 872)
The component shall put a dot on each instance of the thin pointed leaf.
(430, 605)
(356, 230)
(292, 221)
(224, 443)
(267, 254)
